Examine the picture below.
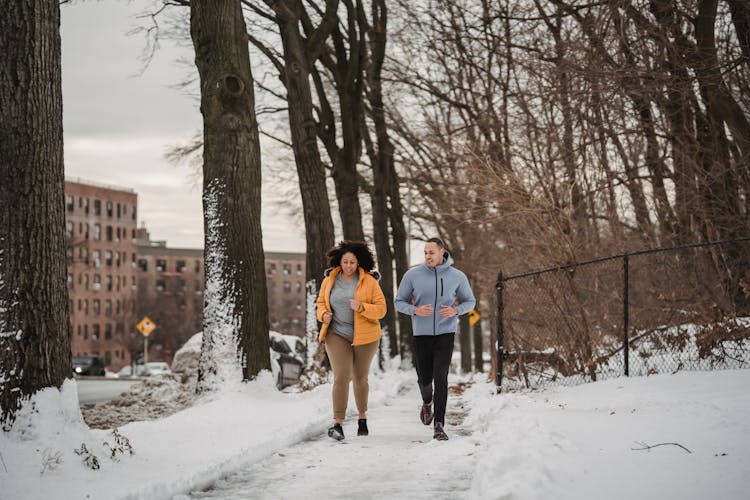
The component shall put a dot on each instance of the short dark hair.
(438, 241)
(361, 251)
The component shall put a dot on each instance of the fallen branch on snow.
(648, 447)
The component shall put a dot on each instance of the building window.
(287, 269)
(69, 227)
(132, 282)
(109, 233)
(197, 266)
(117, 307)
(117, 259)
(70, 281)
(118, 212)
(134, 209)
(97, 256)
(299, 269)
(271, 270)
(161, 265)
(298, 287)
(97, 282)
(85, 281)
(108, 332)
(117, 283)
(70, 202)
(108, 308)
(109, 283)
(108, 258)
(109, 209)
(160, 285)
(95, 331)
(118, 233)
(85, 332)
(86, 307)
(299, 304)
(86, 233)
(97, 207)
(143, 264)
(287, 287)
(69, 254)
(79, 330)
(96, 307)
(97, 232)
(180, 266)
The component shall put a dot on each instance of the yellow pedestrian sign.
(473, 317)
(146, 326)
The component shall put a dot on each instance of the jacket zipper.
(434, 309)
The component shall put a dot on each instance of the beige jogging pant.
(349, 363)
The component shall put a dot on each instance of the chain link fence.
(641, 313)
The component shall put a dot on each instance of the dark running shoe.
(425, 414)
(336, 432)
(362, 430)
(440, 434)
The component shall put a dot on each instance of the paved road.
(100, 390)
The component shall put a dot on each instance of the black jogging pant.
(432, 354)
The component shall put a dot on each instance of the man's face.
(433, 254)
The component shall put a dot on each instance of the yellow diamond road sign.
(473, 317)
(146, 326)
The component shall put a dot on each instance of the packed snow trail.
(399, 459)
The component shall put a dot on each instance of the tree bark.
(298, 56)
(236, 307)
(34, 324)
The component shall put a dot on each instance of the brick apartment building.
(285, 275)
(117, 275)
(170, 292)
(101, 254)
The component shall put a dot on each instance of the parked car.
(155, 368)
(88, 365)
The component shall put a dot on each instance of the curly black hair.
(360, 250)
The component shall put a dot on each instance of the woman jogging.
(350, 303)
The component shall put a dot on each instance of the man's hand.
(448, 311)
(327, 317)
(424, 310)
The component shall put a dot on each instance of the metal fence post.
(625, 314)
(500, 330)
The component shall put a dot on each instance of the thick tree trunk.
(303, 129)
(236, 308)
(34, 324)
(477, 338)
(381, 159)
(464, 340)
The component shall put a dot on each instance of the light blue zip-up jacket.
(437, 286)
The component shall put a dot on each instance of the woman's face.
(349, 264)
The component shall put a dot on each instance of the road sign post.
(145, 326)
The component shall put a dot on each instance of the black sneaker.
(425, 414)
(336, 432)
(362, 430)
(440, 434)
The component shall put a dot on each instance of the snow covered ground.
(256, 442)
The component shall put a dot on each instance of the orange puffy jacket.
(368, 293)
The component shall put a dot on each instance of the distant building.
(170, 293)
(100, 224)
(117, 276)
(285, 275)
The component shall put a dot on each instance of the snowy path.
(399, 459)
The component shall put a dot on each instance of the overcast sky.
(118, 125)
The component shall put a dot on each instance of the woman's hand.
(327, 317)
(354, 304)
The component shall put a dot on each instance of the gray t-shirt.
(343, 315)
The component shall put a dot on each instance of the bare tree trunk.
(381, 159)
(464, 340)
(236, 308)
(298, 56)
(34, 323)
(477, 336)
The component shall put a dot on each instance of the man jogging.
(429, 294)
